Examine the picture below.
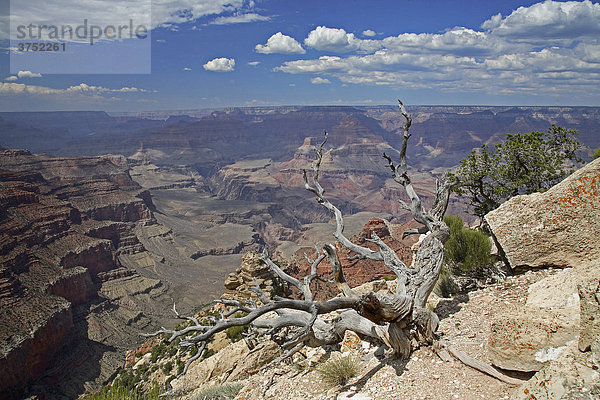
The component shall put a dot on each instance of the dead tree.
(400, 320)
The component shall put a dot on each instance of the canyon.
(107, 220)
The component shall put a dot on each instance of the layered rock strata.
(64, 292)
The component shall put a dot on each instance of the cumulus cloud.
(187, 69)
(550, 19)
(539, 50)
(338, 40)
(369, 33)
(280, 43)
(82, 89)
(85, 88)
(458, 40)
(320, 81)
(28, 74)
(167, 14)
(240, 19)
(254, 63)
(11, 78)
(220, 65)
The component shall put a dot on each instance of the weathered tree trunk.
(400, 320)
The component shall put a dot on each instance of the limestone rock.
(560, 227)
(526, 341)
(235, 362)
(238, 283)
(259, 356)
(550, 320)
(569, 377)
(351, 343)
(589, 293)
(542, 329)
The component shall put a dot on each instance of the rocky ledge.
(63, 224)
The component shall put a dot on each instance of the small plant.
(157, 352)
(167, 367)
(208, 353)
(169, 380)
(467, 250)
(445, 285)
(337, 371)
(235, 333)
(226, 391)
(180, 366)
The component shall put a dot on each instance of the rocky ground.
(465, 323)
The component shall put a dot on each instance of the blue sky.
(280, 52)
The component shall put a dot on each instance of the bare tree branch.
(318, 190)
(401, 320)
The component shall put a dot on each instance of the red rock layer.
(356, 272)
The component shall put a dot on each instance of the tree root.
(443, 350)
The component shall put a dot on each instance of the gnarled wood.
(400, 320)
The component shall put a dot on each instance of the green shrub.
(169, 380)
(208, 353)
(180, 367)
(226, 391)
(467, 250)
(445, 286)
(158, 351)
(596, 153)
(337, 371)
(167, 367)
(235, 333)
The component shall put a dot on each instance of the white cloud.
(220, 65)
(505, 58)
(549, 19)
(240, 19)
(187, 69)
(280, 43)
(459, 40)
(161, 41)
(28, 74)
(85, 88)
(254, 63)
(167, 14)
(369, 33)
(21, 88)
(11, 78)
(338, 40)
(320, 81)
(82, 89)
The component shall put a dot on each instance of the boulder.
(235, 362)
(589, 294)
(531, 337)
(527, 341)
(570, 376)
(560, 227)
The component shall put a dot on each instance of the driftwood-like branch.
(433, 220)
(483, 367)
(338, 274)
(400, 320)
(316, 188)
(408, 304)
